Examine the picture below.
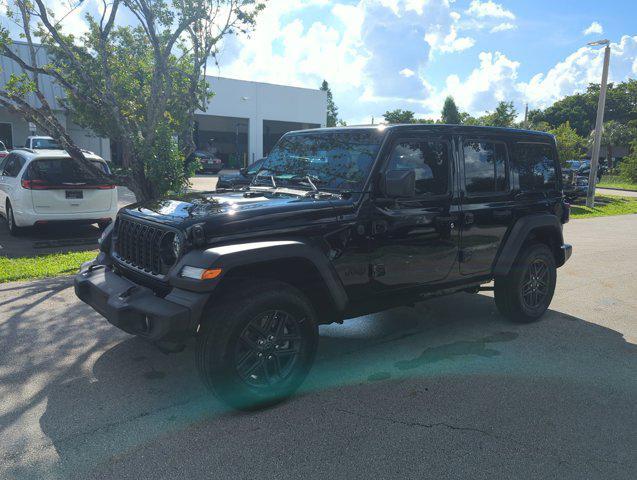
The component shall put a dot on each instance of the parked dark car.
(208, 163)
(241, 178)
(337, 224)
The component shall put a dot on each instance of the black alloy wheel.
(268, 349)
(535, 286)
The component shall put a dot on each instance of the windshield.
(254, 168)
(46, 144)
(332, 161)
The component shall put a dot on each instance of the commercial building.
(242, 122)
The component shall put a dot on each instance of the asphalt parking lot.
(448, 389)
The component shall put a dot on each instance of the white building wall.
(264, 101)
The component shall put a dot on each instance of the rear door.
(66, 186)
(487, 202)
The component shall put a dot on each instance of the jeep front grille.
(138, 245)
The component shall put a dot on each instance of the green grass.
(12, 269)
(615, 181)
(604, 206)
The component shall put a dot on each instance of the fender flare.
(518, 235)
(229, 257)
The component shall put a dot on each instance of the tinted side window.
(430, 161)
(535, 165)
(13, 166)
(484, 167)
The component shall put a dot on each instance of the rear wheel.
(14, 230)
(256, 349)
(526, 292)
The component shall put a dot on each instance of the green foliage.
(138, 83)
(570, 145)
(581, 108)
(617, 181)
(503, 116)
(332, 109)
(628, 166)
(450, 114)
(616, 134)
(399, 116)
(605, 206)
(12, 269)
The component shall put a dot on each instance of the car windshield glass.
(46, 144)
(60, 171)
(331, 160)
(254, 168)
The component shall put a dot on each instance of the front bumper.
(136, 309)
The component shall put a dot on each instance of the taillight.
(34, 184)
(103, 187)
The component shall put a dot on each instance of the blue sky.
(384, 54)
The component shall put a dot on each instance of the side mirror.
(398, 183)
(243, 171)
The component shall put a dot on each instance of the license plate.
(74, 194)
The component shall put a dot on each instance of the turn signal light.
(200, 273)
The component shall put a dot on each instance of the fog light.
(200, 273)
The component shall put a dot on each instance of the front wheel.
(526, 292)
(257, 348)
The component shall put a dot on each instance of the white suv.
(42, 186)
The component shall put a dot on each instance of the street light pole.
(599, 125)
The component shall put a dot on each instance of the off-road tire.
(510, 290)
(224, 326)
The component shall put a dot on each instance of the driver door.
(416, 239)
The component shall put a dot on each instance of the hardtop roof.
(438, 128)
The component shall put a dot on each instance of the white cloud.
(579, 69)
(448, 43)
(407, 72)
(489, 83)
(502, 27)
(594, 28)
(489, 9)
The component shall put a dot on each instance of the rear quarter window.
(536, 166)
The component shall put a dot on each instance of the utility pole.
(526, 116)
(599, 125)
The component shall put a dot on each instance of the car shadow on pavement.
(451, 361)
(46, 239)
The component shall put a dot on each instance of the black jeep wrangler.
(337, 223)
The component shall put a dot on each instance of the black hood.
(223, 213)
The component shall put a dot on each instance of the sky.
(379, 55)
